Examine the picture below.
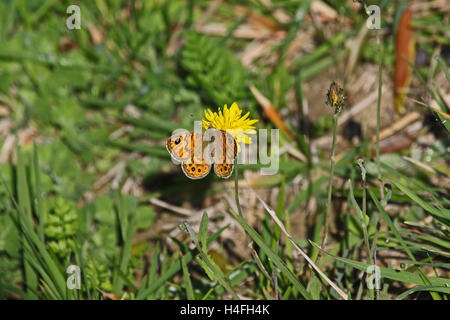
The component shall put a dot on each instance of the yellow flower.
(230, 120)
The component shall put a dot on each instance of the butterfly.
(197, 152)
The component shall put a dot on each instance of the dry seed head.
(335, 97)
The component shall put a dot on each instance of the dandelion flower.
(231, 121)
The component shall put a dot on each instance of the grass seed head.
(336, 97)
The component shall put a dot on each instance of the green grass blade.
(238, 276)
(174, 268)
(203, 232)
(38, 195)
(38, 251)
(24, 202)
(427, 207)
(208, 264)
(393, 274)
(275, 258)
(403, 244)
(126, 221)
(444, 67)
(187, 279)
(422, 288)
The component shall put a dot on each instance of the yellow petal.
(230, 120)
(206, 124)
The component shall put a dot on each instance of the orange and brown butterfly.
(196, 152)
(188, 148)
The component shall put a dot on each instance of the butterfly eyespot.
(177, 141)
(199, 170)
(193, 169)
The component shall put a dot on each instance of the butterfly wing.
(180, 145)
(230, 147)
(224, 167)
(195, 171)
(223, 170)
(196, 167)
(187, 148)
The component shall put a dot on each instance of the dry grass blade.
(271, 112)
(356, 45)
(283, 229)
(209, 12)
(168, 206)
(398, 125)
(420, 164)
(445, 115)
(359, 107)
(404, 49)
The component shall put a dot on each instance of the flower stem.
(365, 227)
(377, 144)
(330, 182)
(236, 188)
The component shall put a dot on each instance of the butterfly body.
(198, 151)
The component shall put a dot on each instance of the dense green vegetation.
(86, 179)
